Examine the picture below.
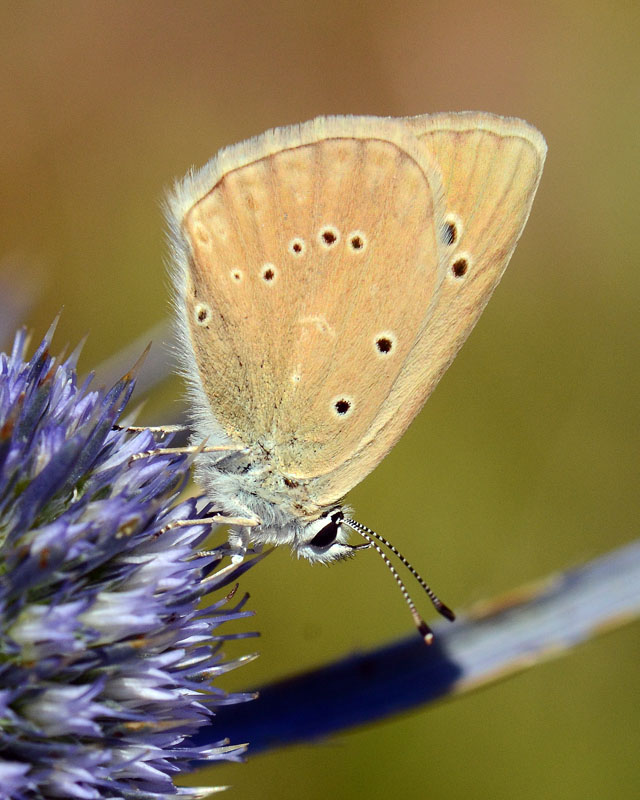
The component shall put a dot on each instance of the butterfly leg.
(188, 450)
(239, 541)
(163, 430)
(214, 519)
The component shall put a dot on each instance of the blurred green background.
(525, 461)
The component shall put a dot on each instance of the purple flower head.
(106, 659)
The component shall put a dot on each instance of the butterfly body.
(325, 276)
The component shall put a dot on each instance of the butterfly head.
(325, 539)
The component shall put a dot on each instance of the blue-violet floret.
(106, 653)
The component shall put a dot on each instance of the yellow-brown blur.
(525, 460)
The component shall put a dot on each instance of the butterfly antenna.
(423, 629)
(365, 532)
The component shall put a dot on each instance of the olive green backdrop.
(524, 461)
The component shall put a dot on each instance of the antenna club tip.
(426, 632)
(446, 612)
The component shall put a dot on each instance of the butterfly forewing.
(313, 260)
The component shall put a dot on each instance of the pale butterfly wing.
(311, 257)
(490, 168)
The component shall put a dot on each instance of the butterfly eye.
(328, 534)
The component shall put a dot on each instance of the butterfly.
(325, 275)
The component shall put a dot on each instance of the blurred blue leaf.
(491, 642)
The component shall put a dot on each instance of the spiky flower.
(106, 658)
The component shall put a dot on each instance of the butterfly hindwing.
(490, 169)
